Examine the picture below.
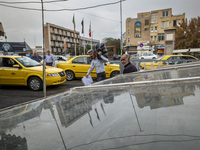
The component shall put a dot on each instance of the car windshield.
(28, 62)
(160, 58)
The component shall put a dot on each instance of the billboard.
(13, 46)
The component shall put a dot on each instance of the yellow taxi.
(168, 60)
(21, 70)
(78, 67)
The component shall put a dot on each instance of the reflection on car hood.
(142, 115)
(48, 69)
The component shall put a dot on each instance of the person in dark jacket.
(128, 67)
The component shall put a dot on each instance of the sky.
(26, 25)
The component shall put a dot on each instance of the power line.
(64, 9)
(32, 2)
(98, 16)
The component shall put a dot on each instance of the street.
(13, 95)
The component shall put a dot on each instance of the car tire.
(142, 57)
(35, 83)
(69, 75)
(154, 58)
(114, 73)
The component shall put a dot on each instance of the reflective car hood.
(158, 111)
(48, 69)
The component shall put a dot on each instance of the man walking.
(98, 64)
(128, 67)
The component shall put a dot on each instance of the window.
(128, 40)
(176, 23)
(80, 60)
(187, 57)
(146, 22)
(155, 38)
(165, 13)
(128, 32)
(128, 23)
(156, 29)
(151, 38)
(161, 37)
(154, 18)
(151, 29)
(165, 24)
(146, 16)
(137, 29)
(169, 37)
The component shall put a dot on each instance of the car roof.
(12, 56)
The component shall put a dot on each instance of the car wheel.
(142, 57)
(154, 58)
(69, 75)
(114, 73)
(35, 83)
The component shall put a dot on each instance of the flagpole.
(83, 35)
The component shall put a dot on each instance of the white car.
(58, 58)
(148, 56)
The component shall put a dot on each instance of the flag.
(82, 23)
(90, 34)
(73, 21)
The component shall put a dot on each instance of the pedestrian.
(98, 64)
(40, 58)
(49, 59)
(128, 67)
(35, 57)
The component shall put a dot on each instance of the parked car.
(59, 58)
(168, 60)
(114, 62)
(148, 56)
(116, 57)
(21, 70)
(78, 66)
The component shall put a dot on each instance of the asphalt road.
(13, 95)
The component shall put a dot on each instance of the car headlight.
(52, 74)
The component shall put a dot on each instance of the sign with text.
(13, 46)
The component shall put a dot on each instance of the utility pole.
(44, 71)
(121, 25)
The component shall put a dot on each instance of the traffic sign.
(141, 45)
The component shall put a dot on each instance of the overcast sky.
(21, 25)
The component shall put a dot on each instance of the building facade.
(148, 29)
(88, 41)
(60, 40)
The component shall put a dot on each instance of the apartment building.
(58, 39)
(148, 29)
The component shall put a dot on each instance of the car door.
(3, 74)
(14, 76)
(80, 66)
